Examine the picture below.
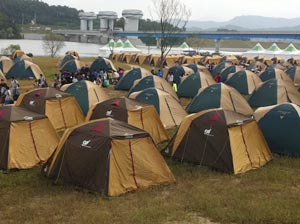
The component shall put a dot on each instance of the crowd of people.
(103, 77)
(7, 95)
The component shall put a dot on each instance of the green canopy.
(257, 47)
(274, 48)
(291, 49)
(184, 45)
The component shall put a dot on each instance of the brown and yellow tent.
(215, 59)
(223, 140)
(2, 76)
(73, 53)
(141, 58)
(171, 60)
(61, 108)
(17, 53)
(127, 58)
(27, 138)
(133, 112)
(155, 60)
(5, 63)
(192, 59)
(108, 156)
(234, 60)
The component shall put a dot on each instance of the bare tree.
(173, 15)
(53, 43)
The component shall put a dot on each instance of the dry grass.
(267, 195)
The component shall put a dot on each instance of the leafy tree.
(8, 29)
(53, 43)
(10, 49)
(173, 16)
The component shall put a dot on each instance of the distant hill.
(248, 23)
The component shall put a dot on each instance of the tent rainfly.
(109, 157)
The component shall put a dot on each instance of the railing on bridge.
(218, 35)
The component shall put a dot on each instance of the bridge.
(83, 36)
(217, 35)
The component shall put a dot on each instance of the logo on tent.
(2, 112)
(208, 132)
(109, 113)
(85, 143)
(216, 118)
(283, 114)
(28, 118)
(128, 135)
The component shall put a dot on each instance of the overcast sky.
(217, 10)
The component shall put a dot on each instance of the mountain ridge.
(247, 22)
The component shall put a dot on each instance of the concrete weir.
(107, 19)
(132, 17)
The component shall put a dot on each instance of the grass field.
(267, 195)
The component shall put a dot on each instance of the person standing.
(160, 74)
(7, 97)
(170, 78)
(3, 88)
(15, 88)
(42, 81)
(174, 86)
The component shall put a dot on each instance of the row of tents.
(227, 139)
(24, 68)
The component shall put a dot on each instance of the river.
(92, 50)
(84, 49)
(36, 47)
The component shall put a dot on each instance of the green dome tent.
(219, 67)
(71, 66)
(127, 80)
(219, 95)
(67, 57)
(101, 63)
(152, 81)
(227, 70)
(274, 73)
(86, 93)
(24, 70)
(169, 109)
(294, 74)
(191, 84)
(179, 71)
(244, 81)
(280, 125)
(274, 91)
